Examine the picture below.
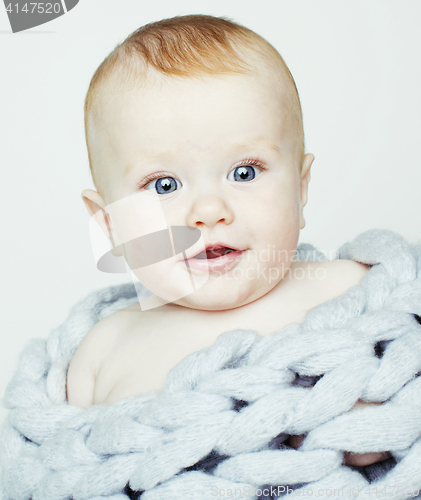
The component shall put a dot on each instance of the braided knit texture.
(220, 422)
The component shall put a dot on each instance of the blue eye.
(243, 173)
(163, 185)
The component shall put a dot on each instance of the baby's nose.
(208, 210)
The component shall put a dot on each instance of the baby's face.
(224, 150)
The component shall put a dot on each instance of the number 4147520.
(36, 7)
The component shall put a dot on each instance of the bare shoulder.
(97, 344)
(340, 275)
(105, 334)
(349, 270)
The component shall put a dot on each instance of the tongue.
(213, 253)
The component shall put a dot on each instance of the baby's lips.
(218, 248)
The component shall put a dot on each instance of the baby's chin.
(207, 305)
(214, 291)
(220, 298)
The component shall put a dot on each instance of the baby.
(203, 115)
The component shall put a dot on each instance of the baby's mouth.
(214, 252)
(215, 257)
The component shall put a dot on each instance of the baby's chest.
(141, 360)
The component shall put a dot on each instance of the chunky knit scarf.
(218, 428)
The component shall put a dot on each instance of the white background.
(357, 68)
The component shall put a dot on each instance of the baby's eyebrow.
(145, 160)
(252, 145)
(257, 144)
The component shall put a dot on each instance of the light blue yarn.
(50, 450)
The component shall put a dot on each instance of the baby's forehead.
(110, 116)
(153, 116)
(112, 122)
(113, 97)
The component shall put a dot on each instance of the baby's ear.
(307, 162)
(305, 179)
(95, 204)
